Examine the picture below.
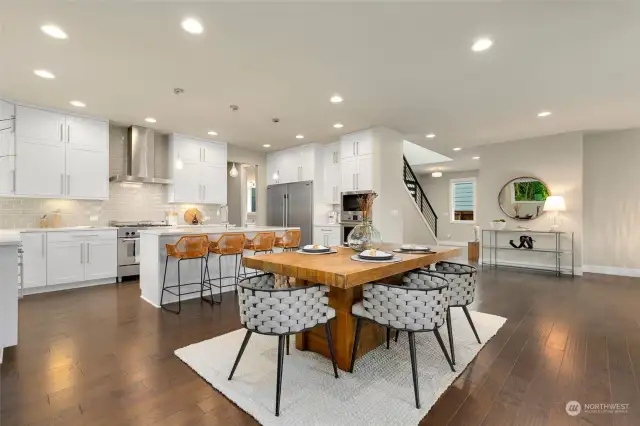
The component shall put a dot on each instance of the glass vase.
(364, 237)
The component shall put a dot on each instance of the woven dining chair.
(282, 312)
(414, 310)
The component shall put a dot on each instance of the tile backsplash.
(127, 202)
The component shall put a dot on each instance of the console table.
(559, 245)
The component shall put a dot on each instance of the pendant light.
(233, 172)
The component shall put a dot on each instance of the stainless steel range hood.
(140, 158)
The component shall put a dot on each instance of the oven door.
(128, 251)
(345, 229)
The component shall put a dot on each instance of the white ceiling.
(404, 66)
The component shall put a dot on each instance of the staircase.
(419, 197)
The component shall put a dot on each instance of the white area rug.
(379, 392)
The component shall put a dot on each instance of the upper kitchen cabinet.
(60, 156)
(39, 126)
(332, 177)
(89, 135)
(292, 165)
(356, 144)
(7, 149)
(202, 177)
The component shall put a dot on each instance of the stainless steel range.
(129, 246)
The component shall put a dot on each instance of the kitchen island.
(9, 244)
(153, 254)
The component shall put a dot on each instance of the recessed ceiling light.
(212, 133)
(481, 44)
(54, 31)
(78, 104)
(150, 120)
(192, 26)
(476, 158)
(44, 74)
(436, 174)
(430, 135)
(336, 99)
(457, 149)
(338, 125)
(299, 136)
(544, 114)
(266, 145)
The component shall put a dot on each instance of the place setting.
(413, 249)
(316, 249)
(375, 256)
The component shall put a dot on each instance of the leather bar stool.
(231, 244)
(261, 243)
(189, 247)
(289, 241)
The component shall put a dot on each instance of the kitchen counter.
(211, 229)
(67, 229)
(153, 257)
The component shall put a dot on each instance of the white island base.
(9, 243)
(153, 255)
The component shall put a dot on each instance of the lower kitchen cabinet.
(65, 263)
(34, 247)
(326, 235)
(101, 260)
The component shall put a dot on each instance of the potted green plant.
(498, 224)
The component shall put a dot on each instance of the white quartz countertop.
(69, 228)
(9, 238)
(212, 229)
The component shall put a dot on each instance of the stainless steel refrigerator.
(291, 204)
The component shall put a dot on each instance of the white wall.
(258, 159)
(556, 160)
(612, 201)
(439, 195)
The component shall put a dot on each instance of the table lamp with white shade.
(555, 204)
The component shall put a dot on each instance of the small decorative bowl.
(498, 226)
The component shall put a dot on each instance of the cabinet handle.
(81, 252)
(204, 154)
(61, 183)
(88, 252)
(353, 148)
(357, 148)
(68, 133)
(43, 244)
(357, 183)
(61, 133)
(13, 180)
(68, 184)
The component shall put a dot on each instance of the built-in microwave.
(350, 206)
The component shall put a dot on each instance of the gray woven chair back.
(412, 309)
(462, 281)
(277, 311)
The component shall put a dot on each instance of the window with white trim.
(463, 200)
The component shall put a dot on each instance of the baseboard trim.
(611, 270)
(453, 243)
(540, 266)
(69, 286)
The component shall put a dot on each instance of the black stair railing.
(419, 196)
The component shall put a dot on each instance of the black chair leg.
(220, 275)
(473, 327)
(397, 334)
(388, 336)
(281, 340)
(331, 351)
(356, 340)
(164, 281)
(450, 333)
(242, 348)
(287, 344)
(444, 350)
(414, 367)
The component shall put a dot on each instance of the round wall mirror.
(523, 198)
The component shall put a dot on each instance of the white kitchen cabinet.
(306, 166)
(332, 184)
(273, 165)
(60, 156)
(289, 166)
(101, 259)
(87, 175)
(87, 134)
(356, 144)
(331, 154)
(357, 173)
(34, 259)
(348, 170)
(203, 177)
(40, 170)
(292, 165)
(214, 184)
(326, 235)
(7, 149)
(40, 126)
(65, 262)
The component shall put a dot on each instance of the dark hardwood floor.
(102, 356)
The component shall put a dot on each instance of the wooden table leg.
(342, 330)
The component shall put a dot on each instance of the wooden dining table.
(345, 278)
